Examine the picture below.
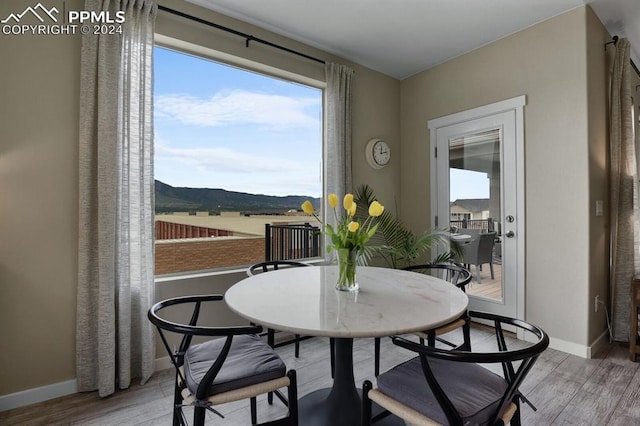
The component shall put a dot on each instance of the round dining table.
(305, 301)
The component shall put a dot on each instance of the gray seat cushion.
(249, 361)
(473, 390)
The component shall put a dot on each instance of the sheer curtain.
(114, 339)
(337, 176)
(623, 197)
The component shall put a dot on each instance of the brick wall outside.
(200, 254)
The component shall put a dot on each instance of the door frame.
(515, 105)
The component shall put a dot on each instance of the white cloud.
(237, 107)
(226, 160)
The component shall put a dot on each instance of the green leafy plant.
(399, 246)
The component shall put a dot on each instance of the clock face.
(381, 153)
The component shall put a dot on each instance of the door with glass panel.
(477, 193)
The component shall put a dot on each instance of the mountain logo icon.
(34, 11)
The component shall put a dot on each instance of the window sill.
(179, 276)
(200, 274)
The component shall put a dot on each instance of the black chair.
(274, 265)
(456, 275)
(452, 386)
(218, 371)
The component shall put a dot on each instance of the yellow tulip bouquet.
(348, 237)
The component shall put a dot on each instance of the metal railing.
(288, 242)
(483, 224)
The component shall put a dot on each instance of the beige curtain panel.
(114, 340)
(337, 174)
(623, 193)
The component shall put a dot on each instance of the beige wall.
(597, 73)
(38, 206)
(39, 81)
(547, 63)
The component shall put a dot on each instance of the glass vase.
(347, 260)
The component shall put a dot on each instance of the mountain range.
(171, 199)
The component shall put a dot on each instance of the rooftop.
(240, 225)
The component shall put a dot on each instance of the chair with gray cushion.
(274, 265)
(478, 252)
(456, 275)
(453, 386)
(460, 277)
(237, 365)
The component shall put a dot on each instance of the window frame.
(248, 65)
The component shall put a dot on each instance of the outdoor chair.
(236, 366)
(457, 276)
(452, 386)
(478, 252)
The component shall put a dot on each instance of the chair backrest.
(516, 363)
(456, 275)
(273, 265)
(190, 329)
(480, 249)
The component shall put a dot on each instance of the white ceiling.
(402, 38)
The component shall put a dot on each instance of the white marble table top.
(305, 301)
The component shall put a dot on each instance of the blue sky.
(466, 184)
(221, 127)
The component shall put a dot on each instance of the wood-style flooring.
(566, 389)
(488, 287)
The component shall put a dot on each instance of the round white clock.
(378, 153)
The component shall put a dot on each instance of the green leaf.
(394, 242)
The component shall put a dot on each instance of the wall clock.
(378, 153)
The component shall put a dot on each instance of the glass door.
(475, 214)
(477, 193)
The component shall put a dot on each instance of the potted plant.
(399, 246)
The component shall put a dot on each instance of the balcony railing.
(287, 242)
(483, 224)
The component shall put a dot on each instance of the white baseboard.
(42, 393)
(163, 363)
(600, 343)
(577, 349)
(56, 390)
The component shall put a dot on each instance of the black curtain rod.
(248, 38)
(614, 42)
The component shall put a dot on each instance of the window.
(234, 150)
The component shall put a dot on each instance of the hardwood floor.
(566, 389)
(487, 287)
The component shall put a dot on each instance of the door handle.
(510, 234)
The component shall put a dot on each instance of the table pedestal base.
(313, 410)
(342, 404)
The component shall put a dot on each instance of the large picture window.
(234, 151)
